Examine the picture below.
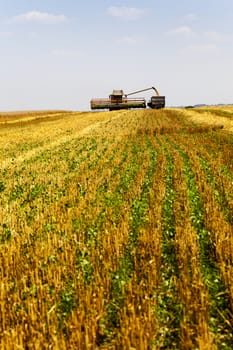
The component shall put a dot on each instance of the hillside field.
(116, 230)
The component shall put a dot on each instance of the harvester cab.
(118, 100)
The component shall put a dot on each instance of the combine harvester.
(118, 100)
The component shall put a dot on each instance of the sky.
(58, 54)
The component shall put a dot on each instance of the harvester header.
(118, 100)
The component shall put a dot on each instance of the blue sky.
(58, 54)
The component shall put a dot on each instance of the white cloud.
(41, 17)
(127, 13)
(182, 30)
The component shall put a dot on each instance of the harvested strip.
(208, 118)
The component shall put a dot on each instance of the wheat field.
(116, 229)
